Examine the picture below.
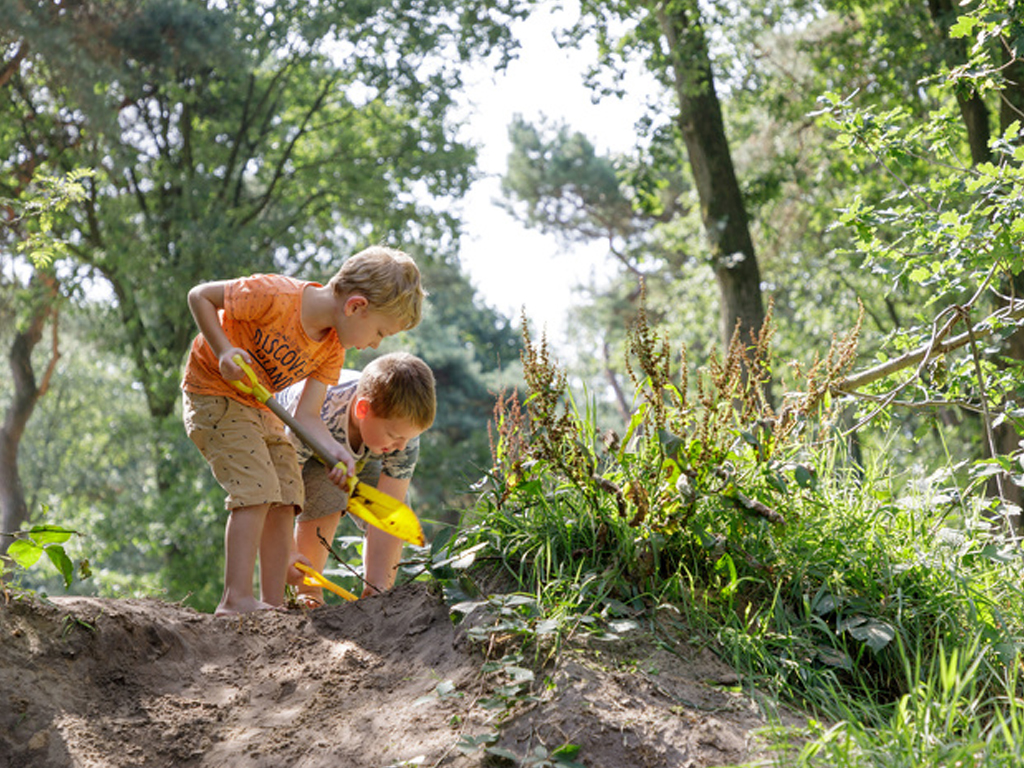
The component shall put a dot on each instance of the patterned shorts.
(247, 450)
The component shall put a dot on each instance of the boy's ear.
(354, 303)
(362, 408)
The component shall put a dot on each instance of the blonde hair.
(387, 278)
(400, 386)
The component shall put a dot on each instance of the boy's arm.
(383, 551)
(307, 413)
(204, 301)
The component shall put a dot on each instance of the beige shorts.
(325, 498)
(247, 449)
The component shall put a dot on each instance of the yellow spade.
(364, 501)
(317, 579)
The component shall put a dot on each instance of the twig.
(1013, 311)
(340, 561)
(927, 352)
(327, 545)
(921, 404)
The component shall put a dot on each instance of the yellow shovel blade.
(317, 579)
(385, 512)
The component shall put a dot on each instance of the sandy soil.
(384, 682)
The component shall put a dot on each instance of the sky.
(511, 266)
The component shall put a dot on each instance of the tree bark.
(14, 512)
(723, 211)
(1007, 439)
(625, 411)
(973, 111)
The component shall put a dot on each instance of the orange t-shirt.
(263, 315)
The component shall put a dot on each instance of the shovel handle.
(403, 525)
(261, 393)
(254, 387)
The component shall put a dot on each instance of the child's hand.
(340, 473)
(344, 467)
(231, 370)
(295, 576)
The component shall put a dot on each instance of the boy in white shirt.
(379, 417)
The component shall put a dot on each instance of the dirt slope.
(388, 681)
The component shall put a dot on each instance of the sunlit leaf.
(62, 562)
(24, 553)
(50, 534)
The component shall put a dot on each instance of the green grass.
(885, 615)
(884, 604)
(883, 623)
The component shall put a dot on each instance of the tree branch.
(850, 384)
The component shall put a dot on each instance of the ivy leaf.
(872, 632)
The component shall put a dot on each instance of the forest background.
(267, 138)
(848, 171)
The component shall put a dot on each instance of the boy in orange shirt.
(287, 330)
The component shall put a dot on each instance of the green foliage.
(36, 214)
(889, 607)
(91, 458)
(844, 607)
(564, 186)
(953, 232)
(228, 140)
(948, 717)
(29, 546)
(509, 684)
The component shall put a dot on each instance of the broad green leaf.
(546, 627)
(50, 534)
(519, 674)
(996, 554)
(24, 553)
(63, 563)
(804, 476)
(567, 750)
(671, 443)
(621, 626)
(468, 606)
(874, 633)
(920, 274)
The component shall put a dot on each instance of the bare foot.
(309, 601)
(247, 605)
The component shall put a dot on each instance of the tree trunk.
(973, 111)
(703, 130)
(14, 512)
(625, 411)
(1006, 437)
